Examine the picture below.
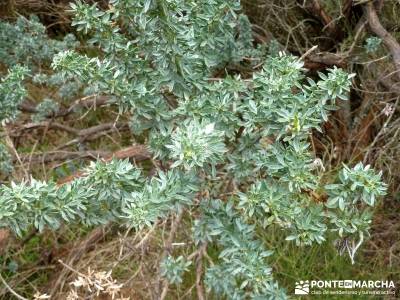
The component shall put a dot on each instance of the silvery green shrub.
(236, 152)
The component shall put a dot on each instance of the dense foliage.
(235, 152)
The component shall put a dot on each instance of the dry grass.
(367, 129)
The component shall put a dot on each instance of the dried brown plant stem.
(168, 247)
(308, 52)
(380, 133)
(10, 144)
(377, 28)
(79, 249)
(71, 269)
(87, 102)
(199, 272)
(10, 289)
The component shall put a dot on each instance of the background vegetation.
(358, 36)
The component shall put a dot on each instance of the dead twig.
(10, 289)
(86, 102)
(82, 134)
(10, 144)
(377, 28)
(168, 247)
(138, 152)
(53, 156)
(95, 236)
(308, 52)
(315, 9)
(199, 272)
